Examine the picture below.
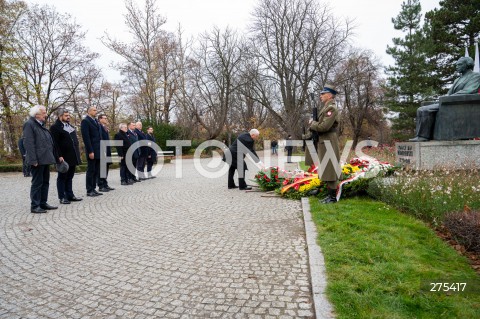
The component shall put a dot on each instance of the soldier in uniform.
(326, 127)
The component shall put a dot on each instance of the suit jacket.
(104, 136)
(142, 136)
(248, 143)
(38, 143)
(151, 152)
(67, 143)
(122, 136)
(468, 83)
(133, 137)
(91, 136)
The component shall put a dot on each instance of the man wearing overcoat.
(65, 137)
(133, 137)
(40, 153)
(326, 127)
(151, 153)
(248, 141)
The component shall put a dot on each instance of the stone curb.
(318, 277)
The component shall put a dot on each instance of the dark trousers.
(124, 175)
(102, 182)
(64, 183)
(26, 168)
(93, 172)
(426, 120)
(289, 155)
(149, 166)
(40, 183)
(131, 175)
(141, 166)
(231, 173)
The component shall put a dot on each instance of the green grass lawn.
(379, 262)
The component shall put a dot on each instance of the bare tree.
(150, 66)
(213, 79)
(298, 43)
(247, 112)
(50, 52)
(360, 83)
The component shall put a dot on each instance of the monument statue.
(467, 83)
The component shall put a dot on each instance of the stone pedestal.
(439, 154)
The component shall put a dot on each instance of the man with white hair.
(245, 142)
(40, 153)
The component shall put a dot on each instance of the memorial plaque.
(407, 154)
(439, 154)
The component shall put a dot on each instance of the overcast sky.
(372, 17)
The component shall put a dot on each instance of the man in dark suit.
(102, 182)
(122, 152)
(40, 153)
(142, 159)
(247, 141)
(91, 138)
(133, 137)
(65, 137)
(151, 154)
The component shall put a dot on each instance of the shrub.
(429, 195)
(164, 132)
(10, 168)
(357, 187)
(465, 228)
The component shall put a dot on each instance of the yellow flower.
(313, 183)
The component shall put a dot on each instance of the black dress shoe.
(232, 187)
(48, 207)
(104, 189)
(247, 188)
(38, 210)
(98, 194)
(109, 188)
(92, 194)
(124, 183)
(75, 199)
(64, 201)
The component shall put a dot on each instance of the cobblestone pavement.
(162, 248)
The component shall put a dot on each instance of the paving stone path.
(162, 248)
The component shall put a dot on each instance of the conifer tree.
(409, 79)
(448, 29)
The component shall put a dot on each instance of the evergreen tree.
(409, 81)
(448, 29)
